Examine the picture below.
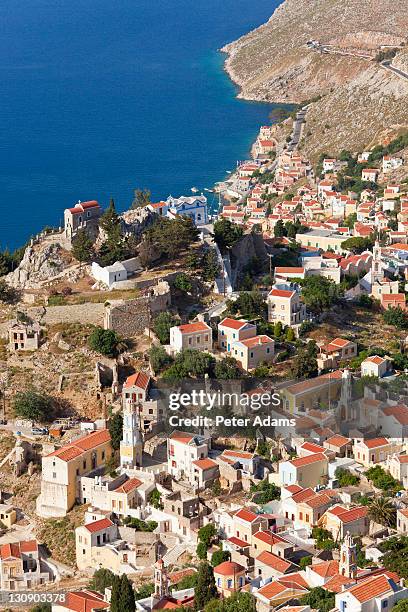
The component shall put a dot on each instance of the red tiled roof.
(370, 588)
(84, 601)
(140, 379)
(313, 448)
(288, 270)
(98, 525)
(268, 537)
(229, 568)
(238, 454)
(326, 569)
(181, 436)
(193, 328)
(293, 488)
(79, 446)
(273, 561)
(247, 515)
(303, 495)
(239, 542)
(376, 442)
(400, 413)
(337, 440)
(257, 340)
(233, 323)
(204, 464)
(301, 461)
(129, 485)
(281, 293)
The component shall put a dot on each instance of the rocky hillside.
(360, 99)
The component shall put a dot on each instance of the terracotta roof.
(181, 436)
(268, 537)
(375, 359)
(10, 550)
(281, 293)
(140, 379)
(313, 448)
(247, 515)
(90, 204)
(239, 542)
(175, 577)
(29, 546)
(192, 328)
(84, 601)
(302, 495)
(306, 385)
(346, 515)
(229, 568)
(375, 442)
(238, 454)
(98, 525)
(79, 446)
(400, 413)
(337, 441)
(273, 561)
(326, 569)
(272, 589)
(256, 341)
(129, 485)
(293, 488)
(294, 580)
(288, 270)
(233, 323)
(205, 464)
(371, 588)
(336, 583)
(301, 461)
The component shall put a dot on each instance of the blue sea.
(100, 97)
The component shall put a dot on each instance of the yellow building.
(310, 394)
(371, 452)
(62, 470)
(8, 515)
(229, 578)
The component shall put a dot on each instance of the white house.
(183, 450)
(391, 163)
(118, 272)
(374, 366)
(196, 335)
(375, 593)
(194, 207)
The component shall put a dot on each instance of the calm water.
(100, 97)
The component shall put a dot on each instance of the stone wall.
(130, 318)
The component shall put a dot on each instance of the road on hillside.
(387, 65)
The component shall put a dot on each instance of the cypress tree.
(116, 588)
(205, 589)
(127, 595)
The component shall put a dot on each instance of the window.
(54, 474)
(385, 604)
(229, 583)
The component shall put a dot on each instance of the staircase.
(172, 556)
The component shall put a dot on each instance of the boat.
(194, 189)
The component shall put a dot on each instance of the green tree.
(210, 265)
(382, 479)
(82, 246)
(395, 557)
(278, 329)
(346, 478)
(305, 561)
(101, 579)
(44, 607)
(127, 595)
(304, 365)
(249, 304)
(357, 244)
(161, 326)
(113, 248)
(205, 589)
(401, 606)
(396, 317)
(116, 430)
(5, 263)
(201, 551)
(33, 406)
(381, 510)
(279, 229)
(142, 197)
(226, 234)
(238, 602)
(207, 533)
(7, 293)
(290, 335)
(144, 591)
(104, 341)
(155, 499)
(115, 595)
(319, 599)
(319, 293)
(159, 359)
(265, 492)
(183, 282)
(226, 369)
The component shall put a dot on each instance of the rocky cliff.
(360, 100)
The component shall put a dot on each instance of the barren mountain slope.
(360, 100)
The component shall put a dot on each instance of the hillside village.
(292, 292)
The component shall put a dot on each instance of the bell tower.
(348, 558)
(161, 581)
(376, 268)
(131, 446)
